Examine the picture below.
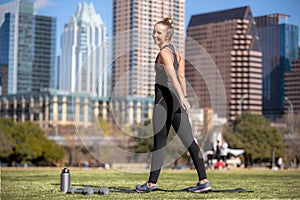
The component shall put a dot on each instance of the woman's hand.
(168, 60)
(185, 104)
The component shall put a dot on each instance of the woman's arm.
(181, 76)
(168, 59)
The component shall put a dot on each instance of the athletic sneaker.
(205, 187)
(145, 187)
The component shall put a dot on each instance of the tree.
(30, 141)
(106, 127)
(25, 142)
(143, 138)
(256, 136)
(291, 137)
(7, 143)
(52, 153)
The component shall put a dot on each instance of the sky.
(64, 9)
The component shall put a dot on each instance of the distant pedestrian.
(224, 151)
(280, 163)
(209, 157)
(218, 151)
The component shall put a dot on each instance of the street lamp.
(291, 114)
(241, 102)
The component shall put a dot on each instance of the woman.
(171, 102)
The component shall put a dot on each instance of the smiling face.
(160, 35)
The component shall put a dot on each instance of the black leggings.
(168, 111)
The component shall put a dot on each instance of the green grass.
(44, 184)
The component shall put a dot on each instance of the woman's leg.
(183, 128)
(161, 127)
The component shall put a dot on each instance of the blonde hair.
(168, 21)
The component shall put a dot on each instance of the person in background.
(218, 151)
(209, 155)
(224, 152)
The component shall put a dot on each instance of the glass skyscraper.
(27, 47)
(43, 74)
(9, 50)
(288, 44)
(268, 29)
(279, 46)
(4, 40)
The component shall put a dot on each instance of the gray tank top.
(161, 77)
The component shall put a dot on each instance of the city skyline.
(146, 26)
(58, 9)
(236, 61)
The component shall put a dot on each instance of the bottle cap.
(65, 170)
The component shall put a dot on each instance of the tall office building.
(4, 47)
(27, 47)
(56, 72)
(231, 39)
(288, 44)
(3, 79)
(279, 46)
(43, 69)
(134, 51)
(84, 53)
(291, 85)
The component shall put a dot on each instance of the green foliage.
(144, 145)
(109, 128)
(30, 141)
(53, 156)
(27, 143)
(144, 137)
(106, 127)
(7, 143)
(256, 136)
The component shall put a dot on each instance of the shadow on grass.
(130, 190)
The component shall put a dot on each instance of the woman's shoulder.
(165, 52)
(171, 49)
(166, 48)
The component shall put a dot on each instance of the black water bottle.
(65, 180)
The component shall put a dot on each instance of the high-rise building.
(56, 72)
(43, 69)
(84, 53)
(291, 85)
(25, 42)
(27, 47)
(134, 51)
(279, 46)
(288, 44)
(231, 40)
(3, 79)
(4, 46)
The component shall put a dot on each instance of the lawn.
(44, 184)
